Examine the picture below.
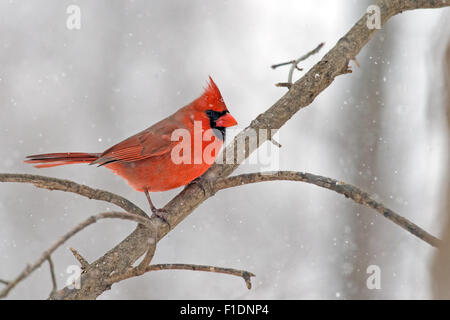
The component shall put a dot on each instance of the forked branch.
(45, 256)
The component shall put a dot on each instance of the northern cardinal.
(148, 161)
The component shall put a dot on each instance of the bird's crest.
(211, 99)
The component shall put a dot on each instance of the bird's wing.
(152, 142)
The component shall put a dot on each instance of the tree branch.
(52, 274)
(83, 262)
(294, 65)
(46, 254)
(345, 189)
(193, 267)
(70, 186)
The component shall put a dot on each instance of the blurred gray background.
(382, 128)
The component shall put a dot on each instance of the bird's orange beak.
(226, 121)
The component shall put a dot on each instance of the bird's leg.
(152, 207)
(157, 212)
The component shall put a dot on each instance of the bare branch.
(83, 262)
(345, 189)
(148, 256)
(91, 220)
(193, 267)
(274, 66)
(52, 274)
(70, 186)
(294, 65)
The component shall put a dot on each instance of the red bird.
(156, 159)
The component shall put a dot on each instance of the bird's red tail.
(48, 160)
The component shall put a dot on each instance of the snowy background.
(132, 63)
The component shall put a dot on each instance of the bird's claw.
(198, 182)
(204, 184)
(161, 213)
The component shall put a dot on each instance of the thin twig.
(274, 66)
(70, 186)
(275, 143)
(52, 274)
(346, 189)
(46, 254)
(4, 282)
(294, 65)
(148, 256)
(83, 262)
(193, 267)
